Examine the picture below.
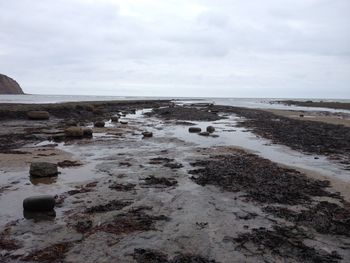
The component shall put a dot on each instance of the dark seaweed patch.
(286, 242)
(261, 179)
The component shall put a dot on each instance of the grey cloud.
(194, 47)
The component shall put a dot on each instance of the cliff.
(9, 86)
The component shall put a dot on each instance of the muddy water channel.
(175, 197)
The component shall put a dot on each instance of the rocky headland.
(9, 85)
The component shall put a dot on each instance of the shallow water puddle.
(21, 186)
(231, 135)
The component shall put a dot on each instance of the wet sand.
(326, 117)
(135, 199)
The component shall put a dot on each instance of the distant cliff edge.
(9, 86)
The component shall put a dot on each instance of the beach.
(261, 185)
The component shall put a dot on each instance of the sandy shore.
(331, 118)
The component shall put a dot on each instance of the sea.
(259, 103)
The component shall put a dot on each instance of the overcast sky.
(221, 48)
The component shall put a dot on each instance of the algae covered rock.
(38, 115)
(74, 132)
(43, 169)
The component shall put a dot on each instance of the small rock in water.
(204, 133)
(147, 134)
(38, 115)
(59, 137)
(210, 129)
(87, 132)
(43, 169)
(114, 118)
(123, 122)
(99, 124)
(194, 129)
(73, 131)
(39, 203)
(301, 115)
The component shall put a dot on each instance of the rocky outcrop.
(9, 86)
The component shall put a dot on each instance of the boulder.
(123, 122)
(58, 137)
(39, 203)
(204, 133)
(75, 132)
(38, 115)
(87, 132)
(43, 169)
(194, 129)
(114, 118)
(99, 124)
(147, 134)
(210, 129)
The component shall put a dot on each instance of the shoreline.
(317, 104)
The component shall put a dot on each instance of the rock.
(301, 115)
(38, 115)
(147, 134)
(99, 124)
(9, 85)
(114, 118)
(43, 169)
(87, 132)
(204, 133)
(76, 132)
(59, 137)
(123, 122)
(194, 129)
(39, 203)
(210, 129)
